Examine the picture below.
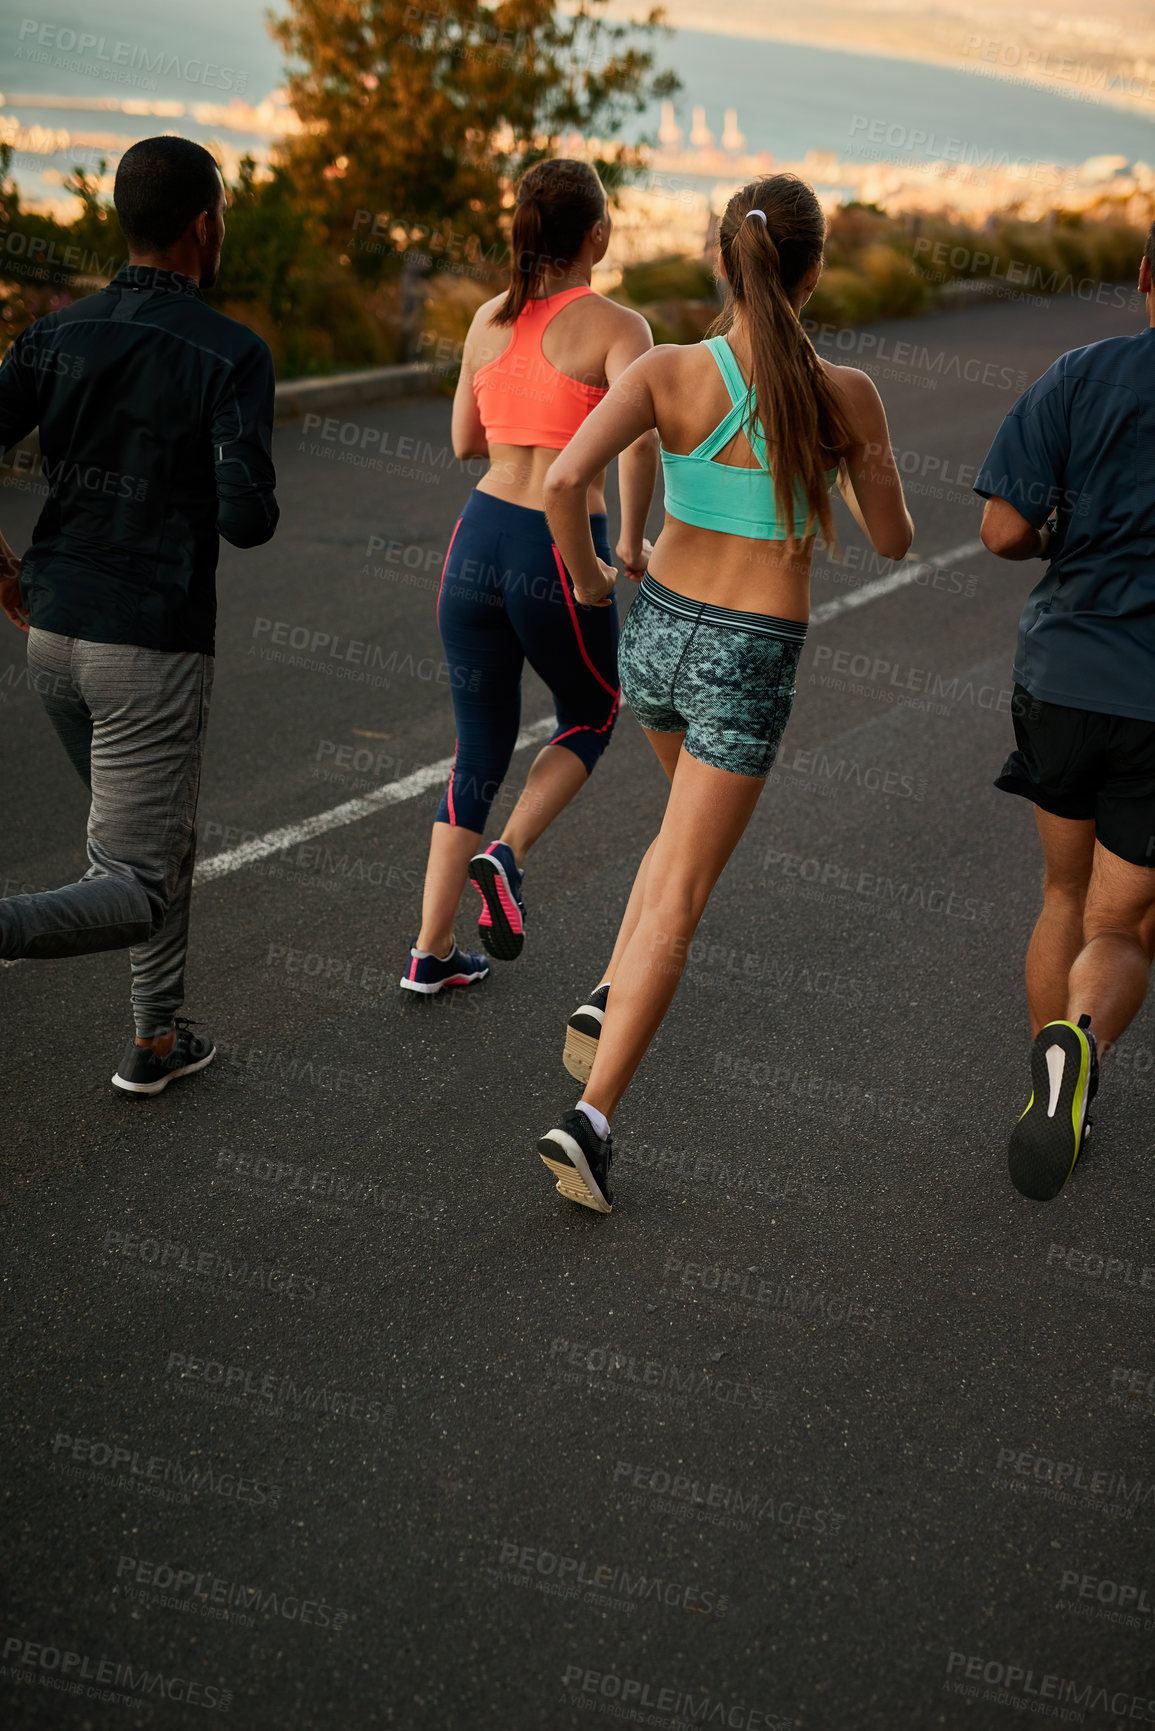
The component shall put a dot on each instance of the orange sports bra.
(521, 397)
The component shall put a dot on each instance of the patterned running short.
(723, 678)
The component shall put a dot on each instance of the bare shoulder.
(483, 317)
(486, 340)
(856, 388)
(623, 321)
(858, 392)
(661, 366)
(682, 360)
(683, 366)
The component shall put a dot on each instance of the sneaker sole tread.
(574, 1178)
(1043, 1153)
(499, 937)
(580, 1051)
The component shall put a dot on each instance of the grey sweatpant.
(133, 722)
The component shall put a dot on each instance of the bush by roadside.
(324, 313)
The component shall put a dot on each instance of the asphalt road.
(324, 1410)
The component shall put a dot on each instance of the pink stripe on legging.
(561, 571)
(445, 567)
(606, 725)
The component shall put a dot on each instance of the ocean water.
(792, 99)
(789, 99)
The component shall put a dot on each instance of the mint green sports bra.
(713, 495)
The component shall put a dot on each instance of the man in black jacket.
(155, 415)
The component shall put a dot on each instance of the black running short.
(1079, 764)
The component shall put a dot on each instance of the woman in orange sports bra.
(537, 359)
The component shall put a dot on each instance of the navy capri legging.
(507, 598)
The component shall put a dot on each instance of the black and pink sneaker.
(428, 974)
(497, 880)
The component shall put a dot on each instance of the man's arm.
(1022, 479)
(247, 510)
(1007, 533)
(19, 413)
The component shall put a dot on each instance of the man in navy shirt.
(155, 416)
(1070, 479)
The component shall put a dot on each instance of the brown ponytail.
(558, 203)
(804, 425)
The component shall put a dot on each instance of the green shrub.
(897, 283)
(667, 279)
(843, 297)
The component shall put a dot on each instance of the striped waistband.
(706, 613)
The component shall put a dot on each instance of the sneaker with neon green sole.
(1049, 1137)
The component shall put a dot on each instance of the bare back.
(748, 573)
(592, 340)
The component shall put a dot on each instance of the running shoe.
(140, 1071)
(574, 1151)
(428, 974)
(1049, 1137)
(582, 1033)
(495, 876)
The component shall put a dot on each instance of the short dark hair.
(1149, 249)
(161, 185)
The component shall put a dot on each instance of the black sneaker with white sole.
(140, 1071)
(574, 1152)
(582, 1033)
(1049, 1137)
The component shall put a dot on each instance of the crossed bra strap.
(742, 404)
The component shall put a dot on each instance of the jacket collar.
(150, 276)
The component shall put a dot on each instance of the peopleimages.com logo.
(1108, 1484)
(60, 1668)
(697, 1707)
(132, 1463)
(117, 62)
(526, 1561)
(680, 1490)
(1022, 1684)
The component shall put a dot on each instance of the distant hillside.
(1104, 53)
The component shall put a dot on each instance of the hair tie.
(758, 213)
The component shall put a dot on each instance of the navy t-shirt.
(1081, 442)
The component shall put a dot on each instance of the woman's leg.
(668, 747)
(555, 776)
(707, 812)
(485, 660)
(446, 875)
(574, 650)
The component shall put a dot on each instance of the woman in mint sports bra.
(755, 431)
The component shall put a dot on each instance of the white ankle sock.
(422, 954)
(596, 1118)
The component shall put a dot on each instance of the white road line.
(896, 580)
(219, 865)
